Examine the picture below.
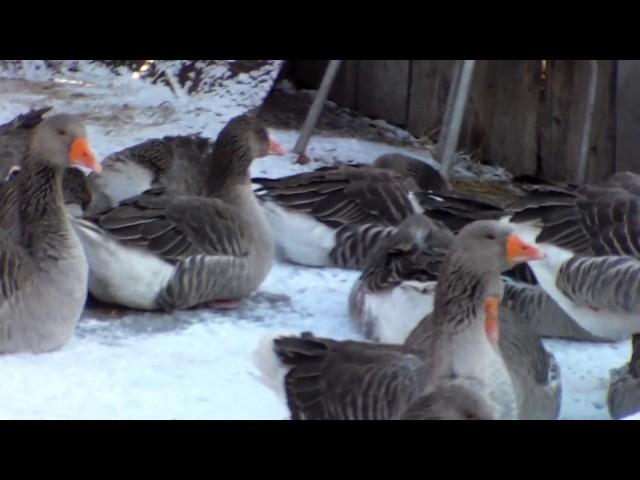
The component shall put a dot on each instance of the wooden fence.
(525, 115)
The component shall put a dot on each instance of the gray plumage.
(181, 164)
(543, 315)
(354, 243)
(597, 223)
(318, 216)
(534, 371)
(43, 269)
(75, 190)
(623, 397)
(14, 144)
(424, 176)
(337, 196)
(15, 136)
(196, 249)
(395, 290)
(610, 283)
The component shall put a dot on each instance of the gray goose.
(158, 251)
(592, 270)
(14, 144)
(180, 164)
(335, 216)
(327, 379)
(395, 290)
(327, 217)
(43, 269)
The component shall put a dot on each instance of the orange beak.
(518, 251)
(81, 154)
(275, 148)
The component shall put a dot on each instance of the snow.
(198, 364)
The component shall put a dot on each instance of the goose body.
(542, 313)
(557, 271)
(591, 236)
(158, 251)
(312, 213)
(43, 268)
(595, 223)
(397, 286)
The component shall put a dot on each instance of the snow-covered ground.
(197, 364)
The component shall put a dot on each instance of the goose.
(308, 210)
(159, 251)
(396, 288)
(456, 347)
(14, 144)
(592, 266)
(335, 216)
(43, 278)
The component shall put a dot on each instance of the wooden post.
(448, 140)
(315, 110)
(581, 173)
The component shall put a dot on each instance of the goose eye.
(12, 173)
(490, 236)
(61, 131)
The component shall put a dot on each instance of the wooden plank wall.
(628, 116)
(562, 120)
(514, 117)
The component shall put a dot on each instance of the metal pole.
(448, 112)
(453, 119)
(588, 120)
(315, 110)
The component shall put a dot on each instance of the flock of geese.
(455, 292)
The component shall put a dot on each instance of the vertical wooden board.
(554, 119)
(601, 161)
(628, 116)
(383, 89)
(562, 121)
(344, 90)
(476, 131)
(430, 87)
(513, 139)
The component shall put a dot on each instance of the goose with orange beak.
(502, 371)
(162, 251)
(397, 286)
(14, 145)
(43, 270)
